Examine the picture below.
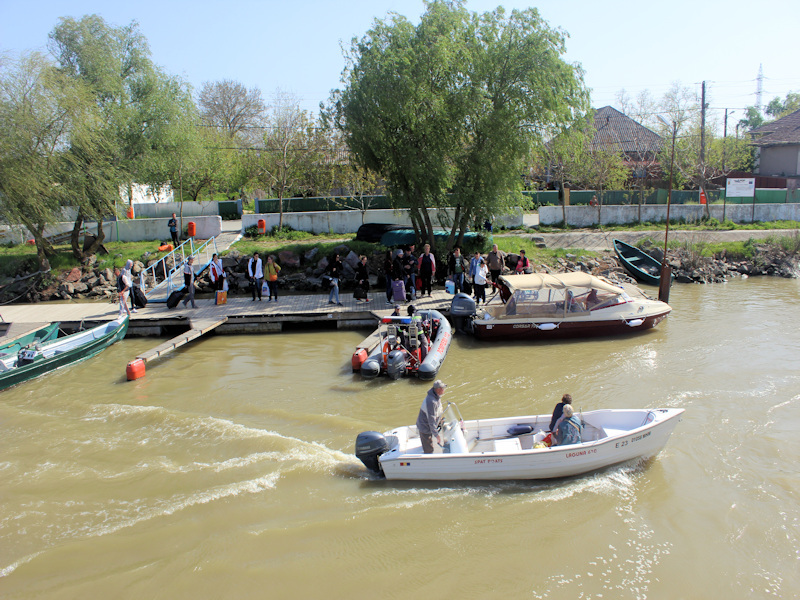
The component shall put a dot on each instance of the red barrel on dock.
(191, 229)
(262, 226)
(135, 369)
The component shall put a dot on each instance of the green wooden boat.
(638, 263)
(39, 359)
(17, 343)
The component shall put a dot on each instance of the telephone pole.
(703, 106)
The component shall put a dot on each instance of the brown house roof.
(784, 131)
(619, 133)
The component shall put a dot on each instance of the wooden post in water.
(664, 282)
(666, 270)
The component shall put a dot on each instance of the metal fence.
(536, 198)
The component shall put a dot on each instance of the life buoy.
(385, 354)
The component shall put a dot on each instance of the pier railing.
(165, 276)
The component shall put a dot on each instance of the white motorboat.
(512, 448)
(547, 306)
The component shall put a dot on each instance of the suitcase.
(139, 299)
(360, 293)
(222, 297)
(399, 291)
(466, 287)
(175, 297)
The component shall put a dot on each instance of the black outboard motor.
(462, 311)
(369, 446)
(396, 364)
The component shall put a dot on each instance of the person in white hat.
(429, 414)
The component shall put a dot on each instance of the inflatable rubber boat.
(414, 345)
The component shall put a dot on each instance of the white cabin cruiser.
(509, 448)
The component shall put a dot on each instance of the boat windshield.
(554, 302)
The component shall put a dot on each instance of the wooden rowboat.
(638, 263)
(14, 344)
(42, 358)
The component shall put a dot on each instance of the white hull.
(489, 453)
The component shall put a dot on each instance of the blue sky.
(295, 45)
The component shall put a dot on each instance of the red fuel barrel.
(135, 369)
(359, 356)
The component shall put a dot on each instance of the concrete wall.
(348, 221)
(165, 209)
(587, 216)
(138, 230)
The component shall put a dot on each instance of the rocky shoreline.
(303, 273)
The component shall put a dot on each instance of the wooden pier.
(240, 315)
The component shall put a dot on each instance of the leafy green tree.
(140, 110)
(752, 119)
(293, 146)
(778, 108)
(40, 112)
(454, 104)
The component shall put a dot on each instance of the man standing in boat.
(429, 414)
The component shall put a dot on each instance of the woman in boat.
(568, 430)
(559, 410)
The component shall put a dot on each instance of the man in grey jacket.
(429, 414)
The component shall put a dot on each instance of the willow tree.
(40, 112)
(454, 104)
(138, 109)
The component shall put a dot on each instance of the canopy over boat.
(544, 305)
(561, 281)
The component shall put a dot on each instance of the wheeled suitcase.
(175, 297)
(139, 299)
(399, 291)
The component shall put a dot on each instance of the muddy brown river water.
(227, 472)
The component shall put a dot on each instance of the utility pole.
(703, 141)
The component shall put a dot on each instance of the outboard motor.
(26, 356)
(396, 364)
(369, 446)
(462, 311)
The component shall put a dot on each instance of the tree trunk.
(77, 251)
(98, 240)
(44, 249)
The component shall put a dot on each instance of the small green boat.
(17, 343)
(638, 263)
(39, 359)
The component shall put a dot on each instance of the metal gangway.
(165, 276)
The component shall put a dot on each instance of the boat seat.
(507, 445)
(610, 432)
